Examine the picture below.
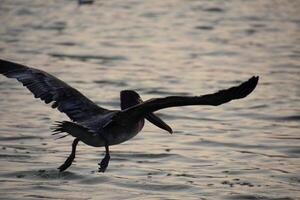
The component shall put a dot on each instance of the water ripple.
(249, 148)
(88, 57)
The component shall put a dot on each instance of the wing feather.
(215, 99)
(50, 89)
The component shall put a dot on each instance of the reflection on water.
(248, 149)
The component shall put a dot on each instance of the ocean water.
(246, 149)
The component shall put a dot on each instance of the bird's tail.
(78, 131)
(70, 128)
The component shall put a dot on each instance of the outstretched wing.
(215, 99)
(50, 89)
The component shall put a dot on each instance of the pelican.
(100, 127)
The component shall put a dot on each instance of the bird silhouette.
(100, 127)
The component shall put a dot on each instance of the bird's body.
(116, 134)
(97, 126)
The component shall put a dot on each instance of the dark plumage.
(97, 126)
(50, 89)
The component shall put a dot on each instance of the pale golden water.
(247, 149)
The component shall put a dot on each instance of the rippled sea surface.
(246, 149)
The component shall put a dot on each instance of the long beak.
(158, 122)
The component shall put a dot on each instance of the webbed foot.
(104, 163)
(71, 157)
(67, 163)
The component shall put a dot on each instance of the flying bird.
(99, 127)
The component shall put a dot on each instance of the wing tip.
(254, 80)
(251, 85)
(8, 66)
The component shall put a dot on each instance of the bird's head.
(129, 98)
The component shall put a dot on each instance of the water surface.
(247, 149)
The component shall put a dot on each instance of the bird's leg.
(104, 162)
(71, 157)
